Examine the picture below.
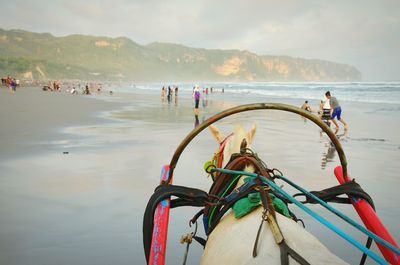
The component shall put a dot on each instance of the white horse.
(232, 241)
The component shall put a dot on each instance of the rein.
(219, 155)
(223, 195)
(193, 197)
(224, 185)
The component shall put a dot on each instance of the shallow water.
(87, 206)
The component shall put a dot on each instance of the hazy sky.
(363, 33)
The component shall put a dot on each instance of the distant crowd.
(169, 92)
(200, 95)
(74, 88)
(10, 82)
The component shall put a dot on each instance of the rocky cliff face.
(43, 56)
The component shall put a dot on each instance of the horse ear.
(250, 134)
(216, 133)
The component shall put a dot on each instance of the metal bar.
(260, 106)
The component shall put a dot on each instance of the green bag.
(246, 205)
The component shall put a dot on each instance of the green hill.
(42, 56)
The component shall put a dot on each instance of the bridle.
(219, 155)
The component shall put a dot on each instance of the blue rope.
(320, 219)
(341, 215)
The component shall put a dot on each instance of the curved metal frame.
(258, 106)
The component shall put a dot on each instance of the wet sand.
(31, 117)
(86, 206)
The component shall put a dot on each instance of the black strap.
(186, 197)
(200, 240)
(287, 251)
(232, 198)
(351, 189)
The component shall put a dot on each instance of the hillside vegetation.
(43, 56)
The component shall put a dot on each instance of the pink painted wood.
(160, 230)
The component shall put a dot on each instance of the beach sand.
(85, 206)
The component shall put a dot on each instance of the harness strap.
(258, 233)
(286, 251)
(187, 197)
(200, 240)
(219, 155)
(269, 215)
(232, 198)
(351, 188)
(237, 162)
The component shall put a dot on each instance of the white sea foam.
(371, 92)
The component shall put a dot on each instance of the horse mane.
(239, 134)
(233, 142)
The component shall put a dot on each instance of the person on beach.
(73, 91)
(58, 87)
(13, 85)
(87, 91)
(321, 107)
(336, 112)
(163, 93)
(8, 82)
(176, 91)
(204, 101)
(196, 95)
(55, 86)
(169, 93)
(324, 107)
(325, 111)
(306, 106)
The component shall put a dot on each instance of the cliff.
(44, 56)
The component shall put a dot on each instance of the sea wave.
(371, 92)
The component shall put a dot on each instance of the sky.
(362, 33)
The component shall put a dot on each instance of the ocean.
(366, 92)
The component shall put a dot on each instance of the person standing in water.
(163, 93)
(336, 112)
(196, 95)
(169, 94)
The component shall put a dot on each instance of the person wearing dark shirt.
(169, 94)
(336, 112)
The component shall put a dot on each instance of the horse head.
(232, 143)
